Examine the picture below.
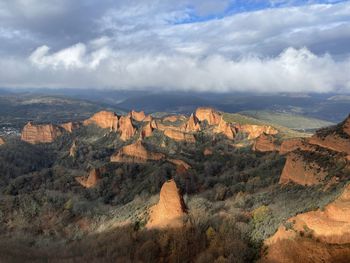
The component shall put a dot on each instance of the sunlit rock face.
(104, 120)
(170, 210)
(126, 128)
(174, 118)
(147, 130)
(225, 128)
(192, 125)
(91, 180)
(2, 142)
(181, 166)
(265, 143)
(300, 171)
(73, 150)
(209, 115)
(137, 116)
(70, 126)
(315, 236)
(336, 138)
(34, 134)
(135, 153)
(254, 131)
(292, 144)
(179, 135)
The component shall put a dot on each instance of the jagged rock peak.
(208, 114)
(137, 116)
(170, 210)
(126, 128)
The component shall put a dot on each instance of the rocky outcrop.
(265, 143)
(192, 125)
(208, 114)
(174, 118)
(135, 153)
(104, 120)
(316, 236)
(147, 130)
(181, 166)
(179, 136)
(291, 145)
(207, 152)
(91, 180)
(137, 116)
(225, 128)
(254, 131)
(126, 128)
(46, 133)
(70, 126)
(170, 210)
(2, 142)
(301, 171)
(73, 150)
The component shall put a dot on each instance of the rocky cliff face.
(174, 118)
(104, 119)
(73, 150)
(209, 115)
(147, 130)
(225, 128)
(40, 133)
(192, 125)
(179, 136)
(135, 153)
(70, 126)
(170, 210)
(265, 143)
(91, 180)
(254, 131)
(316, 236)
(126, 128)
(137, 116)
(2, 142)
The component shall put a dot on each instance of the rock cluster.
(135, 153)
(170, 210)
(40, 133)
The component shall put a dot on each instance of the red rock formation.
(174, 118)
(40, 133)
(73, 150)
(254, 131)
(179, 136)
(170, 210)
(126, 128)
(265, 143)
(135, 153)
(147, 118)
(104, 119)
(192, 125)
(2, 142)
(209, 115)
(181, 166)
(331, 229)
(207, 152)
(137, 116)
(300, 171)
(292, 144)
(225, 129)
(92, 179)
(147, 130)
(70, 126)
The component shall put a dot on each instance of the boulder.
(170, 210)
(45, 133)
(208, 114)
(126, 128)
(104, 120)
(135, 153)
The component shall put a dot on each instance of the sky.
(184, 45)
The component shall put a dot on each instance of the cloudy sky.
(201, 45)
